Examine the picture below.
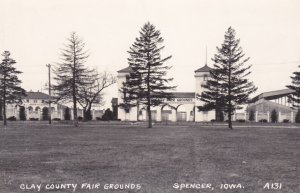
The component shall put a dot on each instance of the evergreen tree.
(294, 98)
(274, 116)
(10, 89)
(71, 74)
(130, 96)
(228, 86)
(147, 84)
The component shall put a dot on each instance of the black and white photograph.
(149, 96)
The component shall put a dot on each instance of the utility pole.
(49, 111)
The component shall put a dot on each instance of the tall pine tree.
(228, 86)
(71, 74)
(10, 89)
(147, 84)
(294, 98)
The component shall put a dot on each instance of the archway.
(30, 109)
(181, 113)
(37, 108)
(166, 112)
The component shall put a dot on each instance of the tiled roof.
(127, 69)
(204, 69)
(183, 94)
(36, 95)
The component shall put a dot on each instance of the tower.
(122, 114)
(201, 76)
(122, 74)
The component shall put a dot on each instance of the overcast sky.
(34, 31)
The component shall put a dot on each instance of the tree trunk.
(87, 116)
(229, 115)
(75, 112)
(229, 92)
(148, 96)
(149, 116)
(74, 103)
(229, 121)
(4, 110)
(74, 90)
(3, 104)
(137, 111)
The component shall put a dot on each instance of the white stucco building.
(36, 102)
(263, 104)
(183, 107)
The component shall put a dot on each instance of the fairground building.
(183, 107)
(264, 104)
(36, 107)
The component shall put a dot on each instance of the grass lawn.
(157, 158)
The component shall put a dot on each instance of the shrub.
(67, 114)
(33, 119)
(12, 118)
(213, 120)
(286, 121)
(241, 120)
(251, 115)
(22, 113)
(56, 119)
(108, 115)
(274, 116)
(45, 114)
(219, 116)
(79, 118)
(263, 121)
(88, 115)
(98, 118)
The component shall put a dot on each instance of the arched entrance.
(181, 114)
(166, 112)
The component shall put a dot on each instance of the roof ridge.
(205, 68)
